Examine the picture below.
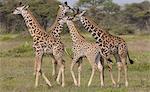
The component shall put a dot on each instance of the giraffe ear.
(82, 13)
(60, 6)
(26, 7)
(78, 10)
(66, 3)
(20, 3)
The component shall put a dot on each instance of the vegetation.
(128, 19)
(43, 10)
(17, 61)
(17, 55)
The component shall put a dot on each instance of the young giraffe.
(56, 28)
(42, 43)
(81, 48)
(109, 45)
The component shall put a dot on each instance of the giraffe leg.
(111, 75)
(61, 72)
(38, 68)
(101, 70)
(72, 72)
(119, 64)
(119, 71)
(63, 76)
(125, 70)
(46, 79)
(54, 63)
(35, 67)
(92, 74)
(59, 75)
(79, 73)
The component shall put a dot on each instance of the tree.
(139, 15)
(43, 10)
(110, 7)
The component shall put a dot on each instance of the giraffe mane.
(95, 24)
(35, 20)
(55, 22)
(76, 29)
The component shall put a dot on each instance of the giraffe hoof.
(35, 86)
(53, 74)
(75, 83)
(34, 73)
(63, 85)
(78, 85)
(114, 85)
(118, 85)
(126, 84)
(58, 82)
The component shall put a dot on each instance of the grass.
(16, 67)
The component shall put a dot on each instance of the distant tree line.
(127, 19)
(45, 12)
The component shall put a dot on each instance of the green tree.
(139, 15)
(110, 7)
(44, 10)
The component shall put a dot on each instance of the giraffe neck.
(32, 24)
(56, 27)
(75, 35)
(93, 28)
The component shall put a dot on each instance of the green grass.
(17, 60)
(7, 37)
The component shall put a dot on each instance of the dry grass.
(16, 68)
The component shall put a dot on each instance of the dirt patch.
(139, 45)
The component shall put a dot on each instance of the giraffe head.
(20, 9)
(78, 15)
(64, 8)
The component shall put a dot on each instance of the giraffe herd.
(97, 53)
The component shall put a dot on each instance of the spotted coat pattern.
(109, 45)
(43, 42)
(81, 48)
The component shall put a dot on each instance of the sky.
(120, 2)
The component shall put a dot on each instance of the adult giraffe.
(56, 28)
(43, 42)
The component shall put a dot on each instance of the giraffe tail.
(130, 60)
(68, 53)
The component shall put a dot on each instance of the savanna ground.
(17, 60)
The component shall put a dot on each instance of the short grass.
(17, 60)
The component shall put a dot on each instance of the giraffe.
(81, 48)
(56, 28)
(43, 43)
(109, 45)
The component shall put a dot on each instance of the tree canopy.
(117, 19)
(43, 10)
